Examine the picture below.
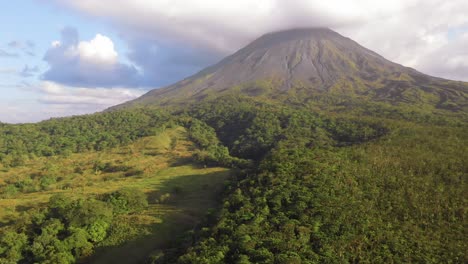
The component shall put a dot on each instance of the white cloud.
(55, 43)
(449, 60)
(98, 50)
(13, 112)
(87, 63)
(405, 31)
(97, 98)
(56, 100)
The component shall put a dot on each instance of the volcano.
(305, 62)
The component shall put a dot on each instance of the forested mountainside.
(309, 186)
(375, 190)
(345, 157)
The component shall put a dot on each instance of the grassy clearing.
(179, 192)
(163, 223)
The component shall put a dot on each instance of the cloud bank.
(93, 98)
(449, 60)
(406, 31)
(57, 100)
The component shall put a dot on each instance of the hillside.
(114, 204)
(303, 63)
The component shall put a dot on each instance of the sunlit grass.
(179, 191)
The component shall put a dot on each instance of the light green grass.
(166, 172)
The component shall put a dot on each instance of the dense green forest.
(85, 207)
(347, 183)
(373, 189)
(76, 134)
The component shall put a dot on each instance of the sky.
(71, 57)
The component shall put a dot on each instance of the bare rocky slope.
(308, 61)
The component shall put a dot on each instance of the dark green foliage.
(261, 135)
(211, 152)
(133, 172)
(354, 130)
(46, 181)
(109, 167)
(12, 245)
(9, 191)
(202, 134)
(334, 189)
(76, 134)
(250, 129)
(362, 182)
(127, 200)
(82, 213)
(396, 200)
(67, 230)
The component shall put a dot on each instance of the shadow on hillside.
(11, 220)
(23, 208)
(7, 221)
(180, 161)
(187, 200)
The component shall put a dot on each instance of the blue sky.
(27, 30)
(68, 57)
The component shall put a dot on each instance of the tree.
(12, 245)
(78, 243)
(97, 231)
(127, 200)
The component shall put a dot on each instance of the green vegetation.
(102, 205)
(77, 134)
(322, 180)
(303, 147)
(329, 187)
(397, 200)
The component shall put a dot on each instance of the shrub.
(127, 200)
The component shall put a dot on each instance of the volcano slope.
(299, 65)
(339, 156)
(356, 158)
